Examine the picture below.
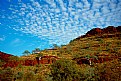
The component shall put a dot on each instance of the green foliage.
(88, 56)
(109, 71)
(1, 63)
(55, 46)
(6, 74)
(91, 56)
(26, 52)
(29, 76)
(14, 58)
(65, 70)
(76, 55)
(19, 76)
(89, 74)
(37, 50)
(39, 55)
(69, 49)
(100, 40)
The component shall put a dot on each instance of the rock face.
(29, 62)
(6, 62)
(47, 59)
(100, 59)
(108, 30)
(26, 62)
(118, 29)
(11, 64)
(94, 31)
(4, 56)
(100, 32)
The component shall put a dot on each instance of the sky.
(30, 24)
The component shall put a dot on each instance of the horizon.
(30, 24)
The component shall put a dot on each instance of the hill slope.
(102, 44)
(97, 41)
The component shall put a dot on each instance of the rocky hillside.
(97, 43)
(99, 31)
(4, 56)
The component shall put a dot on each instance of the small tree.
(26, 52)
(55, 46)
(37, 50)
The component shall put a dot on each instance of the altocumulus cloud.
(62, 20)
(2, 37)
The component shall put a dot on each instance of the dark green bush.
(65, 70)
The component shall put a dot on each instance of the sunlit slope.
(97, 42)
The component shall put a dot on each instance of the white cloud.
(96, 5)
(57, 10)
(51, 3)
(62, 5)
(15, 42)
(105, 10)
(2, 38)
(62, 21)
(79, 5)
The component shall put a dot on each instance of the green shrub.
(19, 76)
(109, 71)
(29, 76)
(6, 74)
(65, 70)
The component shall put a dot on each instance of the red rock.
(4, 56)
(118, 29)
(109, 29)
(100, 32)
(47, 59)
(11, 64)
(30, 62)
(95, 31)
(100, 59)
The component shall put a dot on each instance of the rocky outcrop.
(100, 32)
(108, 30)
(46, 59)
(99, 59)
(94, 31)
(4, 56)
(30, 62)
(118, 29)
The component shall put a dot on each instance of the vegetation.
(26, 52)
(37, 50)
(6, 74)
(67, 69)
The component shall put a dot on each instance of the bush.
(65, 70)
(29, 76)
(19, 76)
(109, 71)
(6, 74)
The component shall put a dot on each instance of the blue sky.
(29, 24)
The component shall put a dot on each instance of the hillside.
(95, 56)
(97, 41)
(4, 56)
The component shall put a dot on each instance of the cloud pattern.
(60, 21)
